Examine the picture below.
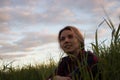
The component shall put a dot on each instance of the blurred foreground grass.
(37, 72)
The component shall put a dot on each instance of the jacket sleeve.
(93, 62)
(60, 70)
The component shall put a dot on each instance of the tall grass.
(109, 56)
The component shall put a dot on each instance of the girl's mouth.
(67, 46)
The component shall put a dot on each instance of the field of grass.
(37, 72)
(109, 61)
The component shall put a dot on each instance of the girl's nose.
(67, 39)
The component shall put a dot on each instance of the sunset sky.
(29, 28)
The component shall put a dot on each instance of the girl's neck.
(76, 53)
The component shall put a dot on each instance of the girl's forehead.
(66, 32)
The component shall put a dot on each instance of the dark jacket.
(86, 62)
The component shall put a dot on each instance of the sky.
(29, 28)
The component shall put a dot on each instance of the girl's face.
(68, 42)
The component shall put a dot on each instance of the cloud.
(53, 11)
(4, 3)
(36, 39)
(18, 16)
(27, 42)
(4, 29)
(4, 17)
(15, 3)
(9, 56)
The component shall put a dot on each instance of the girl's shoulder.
(92, 58)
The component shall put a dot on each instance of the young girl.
(71, 67)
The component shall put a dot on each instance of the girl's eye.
(62, 38)
(70, 36)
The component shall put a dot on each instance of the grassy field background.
(109, 61)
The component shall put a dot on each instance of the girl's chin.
(69, 52)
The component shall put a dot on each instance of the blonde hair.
(78, 34)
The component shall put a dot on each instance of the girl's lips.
(68, 46)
